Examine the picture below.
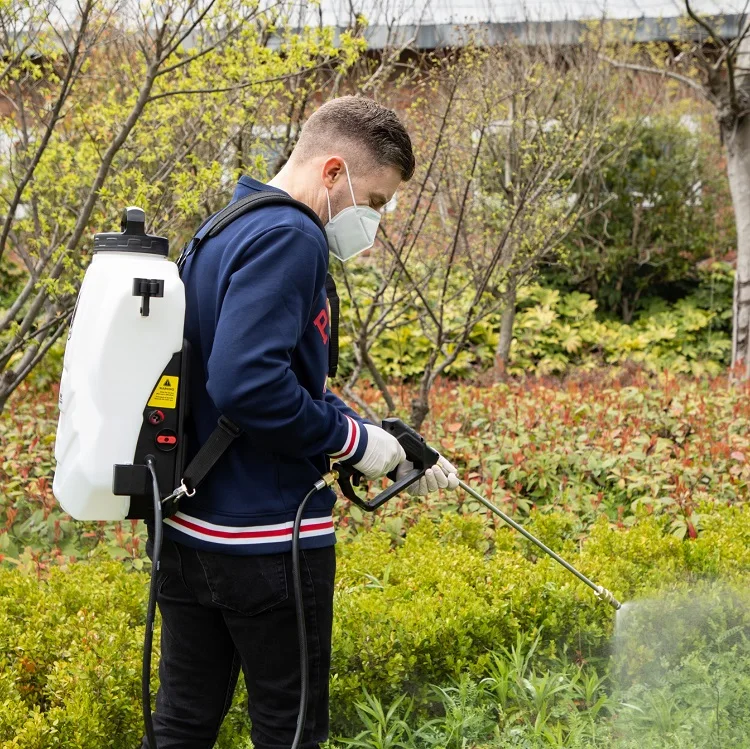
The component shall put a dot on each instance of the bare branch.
(238, 86)
(655, 71)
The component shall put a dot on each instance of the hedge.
(407, 614)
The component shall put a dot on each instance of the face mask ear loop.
(328, 198)
(349, 180)
(354, 202)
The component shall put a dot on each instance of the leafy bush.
(680, 677)
(557, 332)
(656, 218)
(626, 447)
(623, 444)
(682, 667)
(435, 610)
(69, 658)
(554, 332)
(515, 704)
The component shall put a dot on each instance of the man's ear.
(332, 169)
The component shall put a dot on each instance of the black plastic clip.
(229, 426)
(147, 288)
(128, 480)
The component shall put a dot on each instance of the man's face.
(372, 187)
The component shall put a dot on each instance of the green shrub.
(653, 212)
(516, 704)
(432, 610)
(680, 678)
(437, 606)
(70, 651)
(682, 668)
(556, 332)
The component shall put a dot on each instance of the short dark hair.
(359, 120)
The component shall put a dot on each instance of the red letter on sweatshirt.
(320, 322)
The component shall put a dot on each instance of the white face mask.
(352, 230)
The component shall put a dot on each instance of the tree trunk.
(738, 169)
(419, 410)
(735, 132)
(420, 403)
(502, 352)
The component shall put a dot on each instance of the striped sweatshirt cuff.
(354, 445)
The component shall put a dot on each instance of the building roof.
(430, 24)
(436, 23)
(518, 11)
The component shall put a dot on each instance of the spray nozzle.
(605, 595)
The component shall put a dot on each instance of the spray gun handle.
(417, 451)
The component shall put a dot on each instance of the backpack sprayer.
(120, 447)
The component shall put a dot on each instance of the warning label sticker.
(165, 393)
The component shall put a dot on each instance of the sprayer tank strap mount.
(226, 431)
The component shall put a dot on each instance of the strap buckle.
(230, 427)
(169, 504)
(184, 491)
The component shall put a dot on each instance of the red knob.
(166, 440)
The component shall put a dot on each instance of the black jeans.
(220, 613)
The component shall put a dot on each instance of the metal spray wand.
(601, 592)
(423, 456)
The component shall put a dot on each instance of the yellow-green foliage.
(555, 332)
(69, 658)
(439, 605)
(423, 612)
(145, 122)
(559, 333)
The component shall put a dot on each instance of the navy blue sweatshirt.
(258, 324)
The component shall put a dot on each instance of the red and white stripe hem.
(351, 443)
(246, 535)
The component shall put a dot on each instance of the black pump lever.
(417, 451)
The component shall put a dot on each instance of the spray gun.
(423, 457)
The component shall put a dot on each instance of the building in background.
(435, 24)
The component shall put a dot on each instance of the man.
(258, 325)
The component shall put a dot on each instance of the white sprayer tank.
(114, 357)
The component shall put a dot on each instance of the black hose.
(151, 609)
(301, 630)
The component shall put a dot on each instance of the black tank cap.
(133, 237)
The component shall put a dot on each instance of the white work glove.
(442, 475)
(382, 454)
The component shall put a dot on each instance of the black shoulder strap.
(218, 442)
(226, 431)
(214, 224)
(334, 305)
